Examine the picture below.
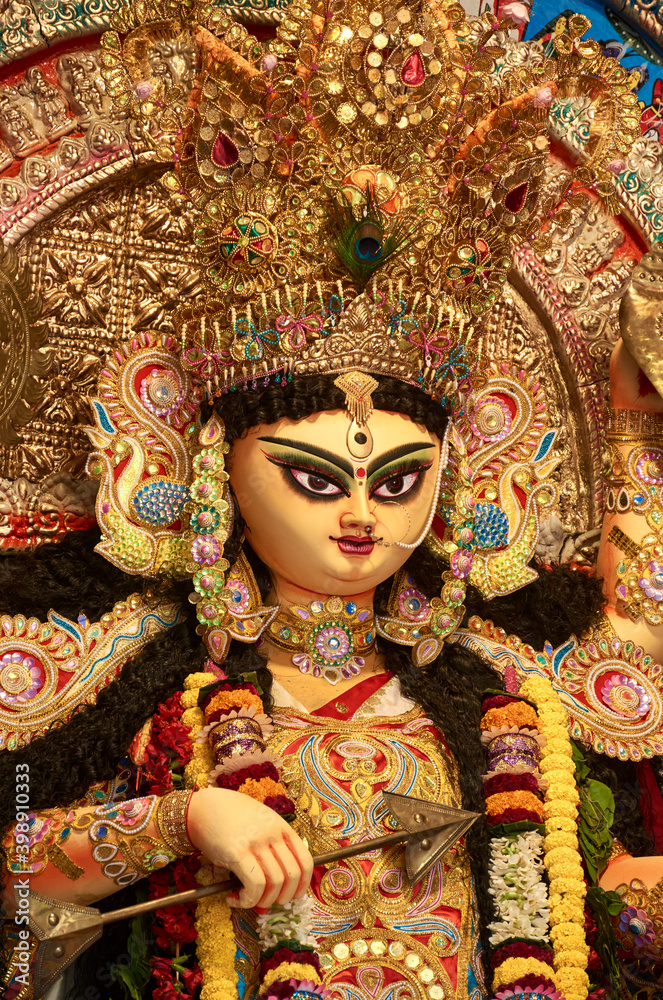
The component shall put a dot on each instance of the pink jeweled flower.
(649, 468)
(461, 563)
(653, 584)
(240, 597)
(332, 643)
(21, 678)
(491, 420)
(205, 550)
(162, 392)
(636, 922)
(625, 696)
(412, 604)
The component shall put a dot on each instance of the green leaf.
(134, 977)
(596, 814)
(582, 771)
(601, 795)
(604, 905)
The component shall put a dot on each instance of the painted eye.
(397, 486)
(315, 484)
(369, 242)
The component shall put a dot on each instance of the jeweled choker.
(327, 638)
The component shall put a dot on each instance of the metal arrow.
(65, 930)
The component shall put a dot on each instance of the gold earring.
(228, 605)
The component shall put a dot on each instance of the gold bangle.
(631, 426)
(171, 822)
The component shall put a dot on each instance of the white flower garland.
(288, 922)
(521, 895)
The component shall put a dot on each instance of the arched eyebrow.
(400, 452)
(311, 449)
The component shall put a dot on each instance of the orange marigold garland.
(230, 729)
(522, 959)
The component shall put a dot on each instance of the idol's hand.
(236, 832)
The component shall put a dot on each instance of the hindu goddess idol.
(335, 504)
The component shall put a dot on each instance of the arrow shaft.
(191, 895)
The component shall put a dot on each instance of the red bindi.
(360, 473)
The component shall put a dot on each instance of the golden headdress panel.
(372, 149)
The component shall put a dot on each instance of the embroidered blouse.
(379, 936)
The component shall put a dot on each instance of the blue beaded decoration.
(161, 502)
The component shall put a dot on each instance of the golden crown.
(374, 164)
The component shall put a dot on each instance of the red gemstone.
(225, 152)
(412, 72)
(515, 199)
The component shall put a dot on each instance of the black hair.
(71, 578)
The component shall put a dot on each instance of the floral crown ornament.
(318, 333)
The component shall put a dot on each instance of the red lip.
(350, 545)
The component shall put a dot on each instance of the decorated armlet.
(121, 835)
(633, 474)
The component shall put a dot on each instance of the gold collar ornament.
(327, 638)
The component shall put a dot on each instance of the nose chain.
(444, 456)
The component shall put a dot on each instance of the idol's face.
(314, 513)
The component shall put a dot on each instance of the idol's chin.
(351, 575)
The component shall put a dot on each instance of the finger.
(273, 876)
(250, 873)
(304, 860)
(290, 870)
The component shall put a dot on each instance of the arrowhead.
(64, 931)
(434, 828)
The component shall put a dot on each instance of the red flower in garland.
(169, 710)
(159, 883)
(174, 925)
(175, 736)
(184, 873)
(162, 970)
(500, 782)
(157, 771)
(516, 816)
(192, 979)
(166, 991)
(522, 949)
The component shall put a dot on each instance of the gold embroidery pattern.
(378, 934)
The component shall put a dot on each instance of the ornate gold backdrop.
(109, 255)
